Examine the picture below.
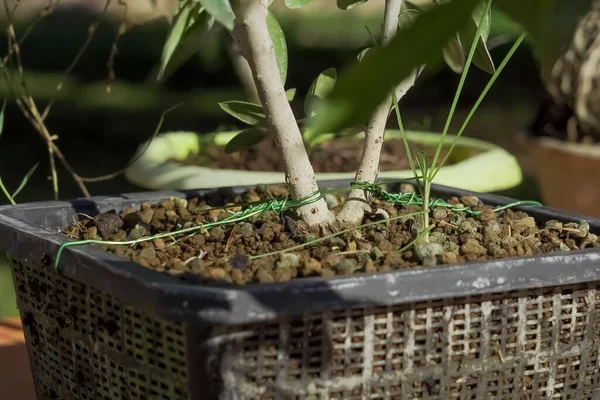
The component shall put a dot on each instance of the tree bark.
(252, 37)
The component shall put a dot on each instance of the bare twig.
(114, 51)
(29, 109)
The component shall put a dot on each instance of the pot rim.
(492, 170)
(29, 232)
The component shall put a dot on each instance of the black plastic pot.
(105, 328)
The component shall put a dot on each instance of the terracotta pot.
(15, 375)
(567, 173)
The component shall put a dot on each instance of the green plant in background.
(363, 96)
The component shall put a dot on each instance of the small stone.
(448, 258)
(118, 236)
(345, 267)
(363, 257)
(215, 213)
(137, 233)
(487, 214)
(131, 220)
(377, 254)
(407, 188)
(583, 229)
(171, 215)
(423, 251)
(309, 237)
(437, 237)
(91, 233)
(523, 226)
(288, 260)
(337, 241)
(197, 265)
(168, 204)
(146, 215)
(217, 233)
(238, 277)
(473, 247)
(217, 273)
(385, 245)
(264, 276)
(239, 262)
(331, 200)
(554, 225)
(440, 213)
(467, 227)
(312, 267)
(179, 265)
(327, 273)
(159, 243)
(370, 267)
(430, 261)
(148, 252)
(283, 275)
(108, 224)
(247, 230)
(180, 202)
(364, 246)
(470, 201)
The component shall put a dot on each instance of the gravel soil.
(228, 253)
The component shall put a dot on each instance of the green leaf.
(191, 43)
(362, 54)
(482, 57)
(180, 24)
(408, 17)
(298, 3)
(366, 84)
(279, 45)
(249, 113)
(478, 12)
(2, 117)
(25, 180)
(349, 4)
(221, 10)
(319, 89)
(290, 94)
(245, 139)
(454, 55)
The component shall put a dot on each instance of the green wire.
(280, 205)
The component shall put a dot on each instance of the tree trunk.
(357, 204)
(252, 37)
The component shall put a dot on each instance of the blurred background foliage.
(99, 130)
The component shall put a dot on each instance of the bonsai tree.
(366, 92)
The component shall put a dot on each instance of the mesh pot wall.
(105, 328)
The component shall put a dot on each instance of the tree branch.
(253, 40)
(357, 204)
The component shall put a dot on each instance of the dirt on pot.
(339, 155)
(235, 252)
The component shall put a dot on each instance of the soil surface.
(225, 253)
(339, 155)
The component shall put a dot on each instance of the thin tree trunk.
(253, 40)
(354, 209)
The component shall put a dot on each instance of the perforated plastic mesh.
(539, 344)
(86, 345)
